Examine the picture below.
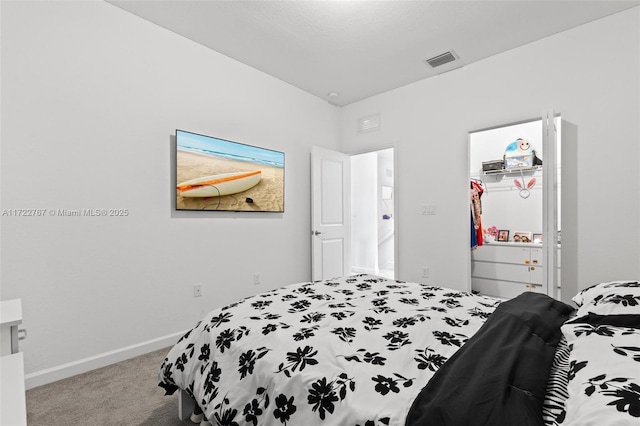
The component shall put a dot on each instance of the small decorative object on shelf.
(524, 191)
(490, 234)
(492, 166)
(520, 153)
(503, 235)
(522, 237)
(537, 238)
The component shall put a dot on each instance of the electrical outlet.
(197, 290)
(256, 278)
(425, 272)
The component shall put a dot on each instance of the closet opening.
(373, 236)
(514, 183)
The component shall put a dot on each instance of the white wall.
(90, 98)
(589, 74)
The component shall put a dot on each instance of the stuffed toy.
(519, 153)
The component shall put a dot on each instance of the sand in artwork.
(267, 195)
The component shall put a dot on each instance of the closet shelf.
(512, 171)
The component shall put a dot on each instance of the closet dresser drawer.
(508, 254)
(507, 270)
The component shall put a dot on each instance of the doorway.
(515, 234)
(373, 213)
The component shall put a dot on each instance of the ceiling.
(358, 49)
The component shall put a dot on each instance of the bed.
(367, 351)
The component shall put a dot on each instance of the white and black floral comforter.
(351, 351)
(603, 377)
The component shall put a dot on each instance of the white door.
(330, 212)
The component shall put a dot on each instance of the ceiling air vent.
(442, 59)
(369, 123)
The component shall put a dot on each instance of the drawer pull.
(535, 261)
(526, 262)
(532, 268)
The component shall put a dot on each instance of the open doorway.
(372, 213)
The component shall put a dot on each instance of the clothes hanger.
(479, 182)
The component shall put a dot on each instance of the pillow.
(611, 298)
(604, 373)
(553, 410)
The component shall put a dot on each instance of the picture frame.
(214, 174)
(537, 238)
(522, 237)
(503, 235)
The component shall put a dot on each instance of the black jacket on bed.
(499, 376)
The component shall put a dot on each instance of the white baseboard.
(70, 369)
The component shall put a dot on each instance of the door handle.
(316, 232)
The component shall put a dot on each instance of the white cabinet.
(12, 396)
(505, 270)
(10, 319)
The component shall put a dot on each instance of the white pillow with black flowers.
(604, 375)
(611, 298)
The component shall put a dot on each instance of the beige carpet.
(126, 393)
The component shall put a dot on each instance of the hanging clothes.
(474, 234)
(476, 214)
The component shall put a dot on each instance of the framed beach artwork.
(221, 175)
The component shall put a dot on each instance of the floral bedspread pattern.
(604, 360)
(352, 351)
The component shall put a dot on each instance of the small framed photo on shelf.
(537, 238)
(522, 237)
(503, 235)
